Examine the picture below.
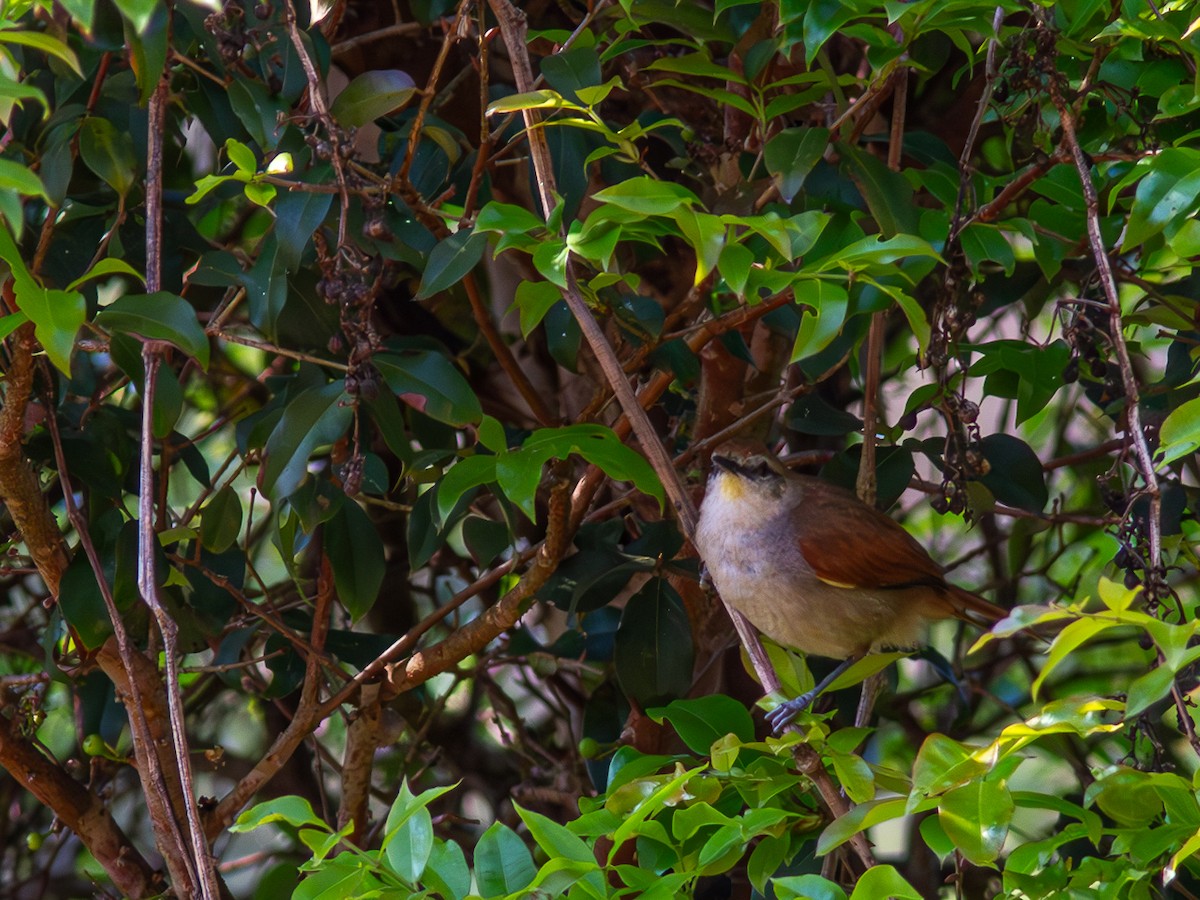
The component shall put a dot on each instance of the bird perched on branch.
(816, 569)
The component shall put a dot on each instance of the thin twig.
(204, 872)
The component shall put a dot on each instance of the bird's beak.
(724, 462)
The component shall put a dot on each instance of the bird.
(816, 569)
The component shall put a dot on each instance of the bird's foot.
(783, 715)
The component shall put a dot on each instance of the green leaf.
(138, 12)
(297, 215)
(108, 152)
(429, 382)
(168, 403)
(570, 70)
(647, 196)
(943, 763)
(313, 418)
(1180, 432)
(533, 300)
(104, 268)
(823, 320)
(701, 721)
(357, 557)
(860, 818)
(653, 652)
(295, 811)
(544, 99)
(161, 316)
(888, 194)
(1015, 474)
(221, 520)
(806, 887)
(241, 156)
(1167, 193)
(520, 471)
(557, 840)
(884, 881)
(57, 318)
(791, 154)
(502, 862)
(976, 817)
(446, 871)
(450, 261)
(372, 95)
(18, 178)
(45, 43)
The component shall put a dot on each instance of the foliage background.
(320, 489)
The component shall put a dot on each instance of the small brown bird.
(816, 569)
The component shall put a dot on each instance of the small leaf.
(372, 95)
(976, 817)
(221, 520)
(241, 156)
(653, 653)
(357, 557)
(161, 316)
(450, 261)
(791, 154)
(429, 382)
(108, 152)
(502, 862)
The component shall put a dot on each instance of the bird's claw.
(783, 715)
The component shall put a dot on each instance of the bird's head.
(743, 467)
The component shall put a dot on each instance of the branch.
(202, 873)
(77, 808)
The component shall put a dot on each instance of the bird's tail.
(974, 608)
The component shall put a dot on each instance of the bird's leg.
(783, 714)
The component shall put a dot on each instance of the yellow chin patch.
(731, 488)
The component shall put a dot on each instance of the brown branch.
(140, 690)
(418, 124)
(78, 809)
(362, 740)
(495, 620)
(202, 873)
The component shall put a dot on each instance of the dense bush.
(361, 367)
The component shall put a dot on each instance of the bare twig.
(203, 872)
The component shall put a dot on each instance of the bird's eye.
(758, 468)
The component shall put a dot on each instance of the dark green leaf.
(357, 557)
(315, 417)
(1015, 473)
(703, 720)
(221, 520)
(450, 261)
(108, 152)
(161, 317)
(791, 154)
(429, 382)
(654, 652)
